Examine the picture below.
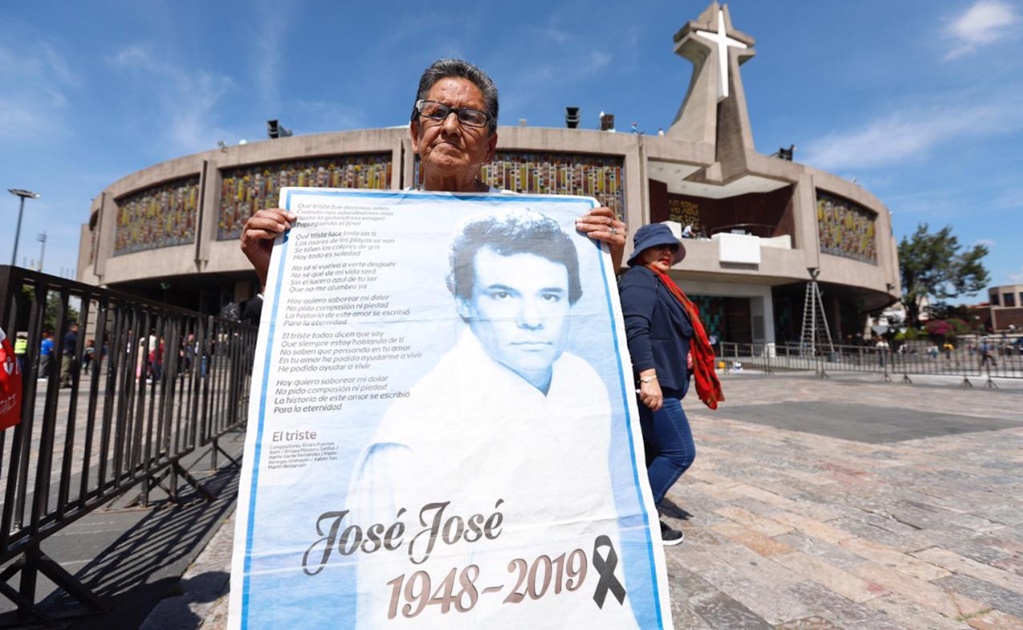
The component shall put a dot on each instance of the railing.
(763, 230)
(162, 382)
(1005, 361)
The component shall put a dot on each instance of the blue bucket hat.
(652, 235)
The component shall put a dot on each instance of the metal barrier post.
(135, 434)
(905, 374)
(990, 383)
(966, 379)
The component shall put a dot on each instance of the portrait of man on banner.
(498, 423)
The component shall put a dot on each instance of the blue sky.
(921, 100)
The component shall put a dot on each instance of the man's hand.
(258, 236)
(601, 224)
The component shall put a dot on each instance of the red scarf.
(708, 387)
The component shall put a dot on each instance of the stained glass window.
(601, 177)
(248, 189)
(161, 216)
(846, 229)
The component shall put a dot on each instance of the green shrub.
(959, 326)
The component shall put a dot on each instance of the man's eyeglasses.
(439, 111)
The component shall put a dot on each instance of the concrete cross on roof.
(723, 42)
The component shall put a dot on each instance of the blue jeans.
(668, 441)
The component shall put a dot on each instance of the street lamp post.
(24, 194)
(42, 250)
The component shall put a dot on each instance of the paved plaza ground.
(840, 503)
(852, 504)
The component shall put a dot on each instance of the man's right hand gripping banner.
(443, 428)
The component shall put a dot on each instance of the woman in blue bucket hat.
(668, 343)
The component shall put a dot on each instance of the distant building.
(1004, 310)
(763, 223)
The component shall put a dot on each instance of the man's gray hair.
(459, 69)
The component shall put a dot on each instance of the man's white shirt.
(475, 433)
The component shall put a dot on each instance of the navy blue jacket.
(657, 328)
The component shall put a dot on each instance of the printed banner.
(10, 384)
(443, 431)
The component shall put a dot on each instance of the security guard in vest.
(21, 349)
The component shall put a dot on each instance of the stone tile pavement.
(790, 528)
(864, 513)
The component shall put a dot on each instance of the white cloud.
(572, 68)
(553, 34)
(269, 50)
(131, 56)
(984, 22)
(549, 55)
(34, 101)
(323, 116)
(1010, 197)
(986, 242)
(183, 100)
(912, 134)
(1017, 278)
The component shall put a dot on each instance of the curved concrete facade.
(763, 223)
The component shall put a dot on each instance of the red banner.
(10, 385)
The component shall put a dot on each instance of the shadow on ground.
(145, 564)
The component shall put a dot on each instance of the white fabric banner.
(442, 429)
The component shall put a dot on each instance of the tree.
(933, 267)
(26, 297)
(53, 307)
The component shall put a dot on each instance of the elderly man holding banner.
(498, 492)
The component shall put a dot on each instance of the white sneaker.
(671, 536)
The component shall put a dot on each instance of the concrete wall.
(777, 266)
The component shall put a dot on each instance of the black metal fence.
(968, 362)
(154, 384)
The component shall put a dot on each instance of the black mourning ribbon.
(606, 570)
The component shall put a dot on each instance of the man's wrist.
(648, 379)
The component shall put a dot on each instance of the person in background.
(882, 350)
(668, 343)
(155, 357)
(987, 353)
(69, 350)
(21, 349)
(45, 354)
(87, 355)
